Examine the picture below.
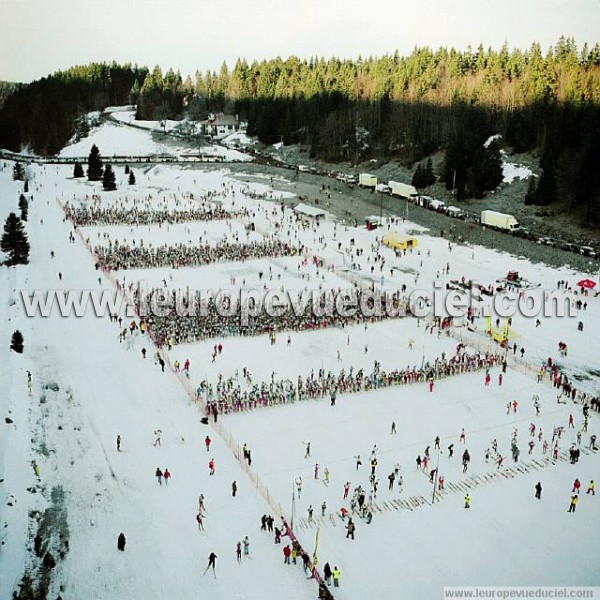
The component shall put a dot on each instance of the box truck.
(402, 190)
(367, 180)
(498, 220)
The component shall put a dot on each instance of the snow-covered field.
(104, 388)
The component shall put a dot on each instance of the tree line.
(393, 107)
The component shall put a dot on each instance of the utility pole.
(454, 186)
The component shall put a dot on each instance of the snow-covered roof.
(221, 119)
(309, 211)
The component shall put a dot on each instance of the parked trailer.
(367, 180)
(498, 220)
(402, 190)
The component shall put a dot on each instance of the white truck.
(367, 180)
(382, 188)
(498, 220)
(402, 190)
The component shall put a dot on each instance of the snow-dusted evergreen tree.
(108, 179)
(16, 342)
(14, 241)
(94, 171)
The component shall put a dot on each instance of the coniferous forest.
(401, 108)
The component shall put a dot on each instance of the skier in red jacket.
(207, 441)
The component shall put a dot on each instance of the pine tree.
(94, 172)
(531, 194)
(108, 179)
(131, 178)
(26, 186)
(417, 178)
(18, 172)
(78, 170)
(16, 342)
(14, 241)
(424, 175)
(428, 173)
(23, 207)
(126, 169)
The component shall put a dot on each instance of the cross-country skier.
(307, 453)
(212, 562)
(538, 490)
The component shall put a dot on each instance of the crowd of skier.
(114, 215)
(231, 395)
(125, 256)
(211, 322)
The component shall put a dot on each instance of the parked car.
(587, 251)
(568, 246)
(522, 232)
(546, 241)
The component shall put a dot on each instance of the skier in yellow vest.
(336, 577)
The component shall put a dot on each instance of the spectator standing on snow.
(336, 576)
(121, 541)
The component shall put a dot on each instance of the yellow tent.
(392, 239)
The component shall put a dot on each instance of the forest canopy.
(391, 107)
